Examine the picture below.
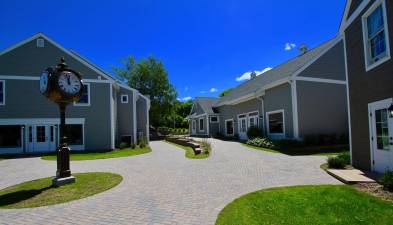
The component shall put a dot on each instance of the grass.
(325, 204)
(189, 151)
(88, 155)
(298, 152)
(40, 192)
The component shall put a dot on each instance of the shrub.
(206, 146)
(124, 145)
(132, 146)
(142, 142)
(336, 163)
(254, 132)
(387, 180)
(345, 157)
(261, 142)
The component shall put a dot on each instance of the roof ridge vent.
(303, 49)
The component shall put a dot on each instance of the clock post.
(62, 85)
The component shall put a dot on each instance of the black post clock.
(63, 86)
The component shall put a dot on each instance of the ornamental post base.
(63, 181)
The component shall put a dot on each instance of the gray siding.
(329, 66)
(141, 118)
(28, 60)
(214, 128)
(322, 108)
(232, 111)
(278, 98)
(125, 117)
(198, 131)
(23, 100)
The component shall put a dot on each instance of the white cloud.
(184, 99)
(212, 90)
(247, 75)
(289, 46)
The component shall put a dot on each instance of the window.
(201, 124)
(124, 98)
(40, 134)
(382, 129)
(30, 134)
(276, 122)
(229, 127)
(214, 119)
(52, 136)
(2, 92)
(40, 43)
(85, 99)
(375, 35)
(253, 119)
(10, 136)
(74, 134)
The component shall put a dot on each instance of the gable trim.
(89, 65)
(345, 22)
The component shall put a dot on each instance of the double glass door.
(41, 138)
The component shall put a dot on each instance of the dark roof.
(279, 72)
(206, 103)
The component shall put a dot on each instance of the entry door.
(243, 127)
(41, 138)
(381, 128)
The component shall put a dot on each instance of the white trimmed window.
(201, 124)
(214, 119)
(375, 35)
(253, 119)
(124, 98)
(276, 122)
(2, 92)
(85, 99)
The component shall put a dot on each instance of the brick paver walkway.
(164, 187)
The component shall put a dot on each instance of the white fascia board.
(320, 80)
(89, 65)
(346, 22)
(23, 121)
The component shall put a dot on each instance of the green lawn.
(189, 152)
(101, 155)
(41, 192)
(298, 152)
(326, 204)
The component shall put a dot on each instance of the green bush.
(132, 146)
(336, 162)
(254, 132)
(387, 180)
(124, 145)
(142, 142)
(345, 157)
(261, 142)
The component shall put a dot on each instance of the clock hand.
(68, 80)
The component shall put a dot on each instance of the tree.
(225, 92)
(150, 78)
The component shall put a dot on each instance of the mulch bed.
(375, 189)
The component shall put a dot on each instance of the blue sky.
(204, 44)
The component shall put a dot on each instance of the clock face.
(44, 82)
(69, 83)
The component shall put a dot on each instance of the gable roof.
(351, 12)
(283, 71)
(206, 104)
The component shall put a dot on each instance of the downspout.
(262, 117)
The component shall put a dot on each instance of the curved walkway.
(164, 187)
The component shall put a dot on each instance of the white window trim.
(3, 103)
(244, 116)
(218, 119)
(121, 97)
(268, 124)
(199, 124)
(253, 116)
(369, 66)
(233, 128)
(88, 97)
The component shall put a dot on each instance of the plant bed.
(324, 204)
(40, 192)
(375, 189)
(318, 150)
(189, 151)
(92, 155)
